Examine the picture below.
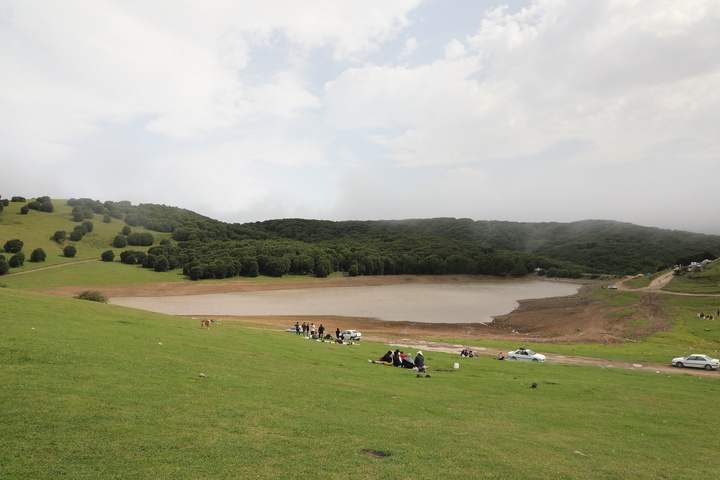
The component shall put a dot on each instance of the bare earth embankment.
(576, 318)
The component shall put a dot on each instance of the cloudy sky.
(545, 110)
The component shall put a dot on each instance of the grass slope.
(98, 391)
(36, 229)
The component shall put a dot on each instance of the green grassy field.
(94, 391)
(98, 391)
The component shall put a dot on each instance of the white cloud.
(366, 109)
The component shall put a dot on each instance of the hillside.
(165, 238)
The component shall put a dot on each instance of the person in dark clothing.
(321, 330)
(407, 362)
(297, 328)
(397, 362)
(419, 360)
(388, 357)
(337, 333)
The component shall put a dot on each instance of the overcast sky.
(547, 110)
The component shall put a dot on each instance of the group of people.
(397, 358)
(468, 353)
(708, 317)
(308, 330)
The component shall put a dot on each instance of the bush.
(76, 235)
(196, 273)
(107, 256)
(4, 266)
(47, 207)
(38, 255)
(144, 239)
(13, 246)
(93, 296)
(88, 226)
(126, 230)
(24, 210)
(120, 241)
(60, 236)
(107, 218)
(34, 205)
(69, 251)
(17, 260)
(18, 199)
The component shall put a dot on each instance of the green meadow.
(92, 391)
(98, 391)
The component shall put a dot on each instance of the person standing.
(304, 329)
(312, 330)
(321, 330)
(297, 328)
(337, 333)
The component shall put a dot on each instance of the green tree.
(38, 255)
(69, 251)
(13, 246)
(107, 256)
(17, 260)
(162, 264)
(76, 235)
(196, 272)
(126, 230)
(107, 218)
(88, 226)
(24, 210)
(59, 236)
(120, 241)
(4, 266)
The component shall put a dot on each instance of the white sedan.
(526, 354)
(697, 361)
(351, 335)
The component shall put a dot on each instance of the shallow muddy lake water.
(473, 302)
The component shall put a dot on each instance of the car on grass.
(348, 335)
(526, 354)
(697, 361)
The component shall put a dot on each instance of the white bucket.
(456, 366)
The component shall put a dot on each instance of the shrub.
(34, 205)
(59, 236)
(126, 230)
(13, 246)
(18, 199)
(4, 266)
(24, 210)
(47, 207)
(88, 226)
(17, 260)
(107, 256)
(196, 273)
(76, 235)
(69, 251)
(93, 296)
(107, 218)
(144, 239)
(120, 241)
(38, 255)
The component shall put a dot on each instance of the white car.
(697, 361)
(525, 354)
(351, 335)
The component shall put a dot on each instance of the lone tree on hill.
(69, 251)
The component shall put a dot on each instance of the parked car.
(697, 361)
(612, 287)
(526, 354)
(351, 335)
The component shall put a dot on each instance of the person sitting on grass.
(420, 361)
(407, 362)
(397, 362)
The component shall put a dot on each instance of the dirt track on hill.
(576, 318)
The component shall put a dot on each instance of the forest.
(206, 248)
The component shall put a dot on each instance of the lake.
(473, 302)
